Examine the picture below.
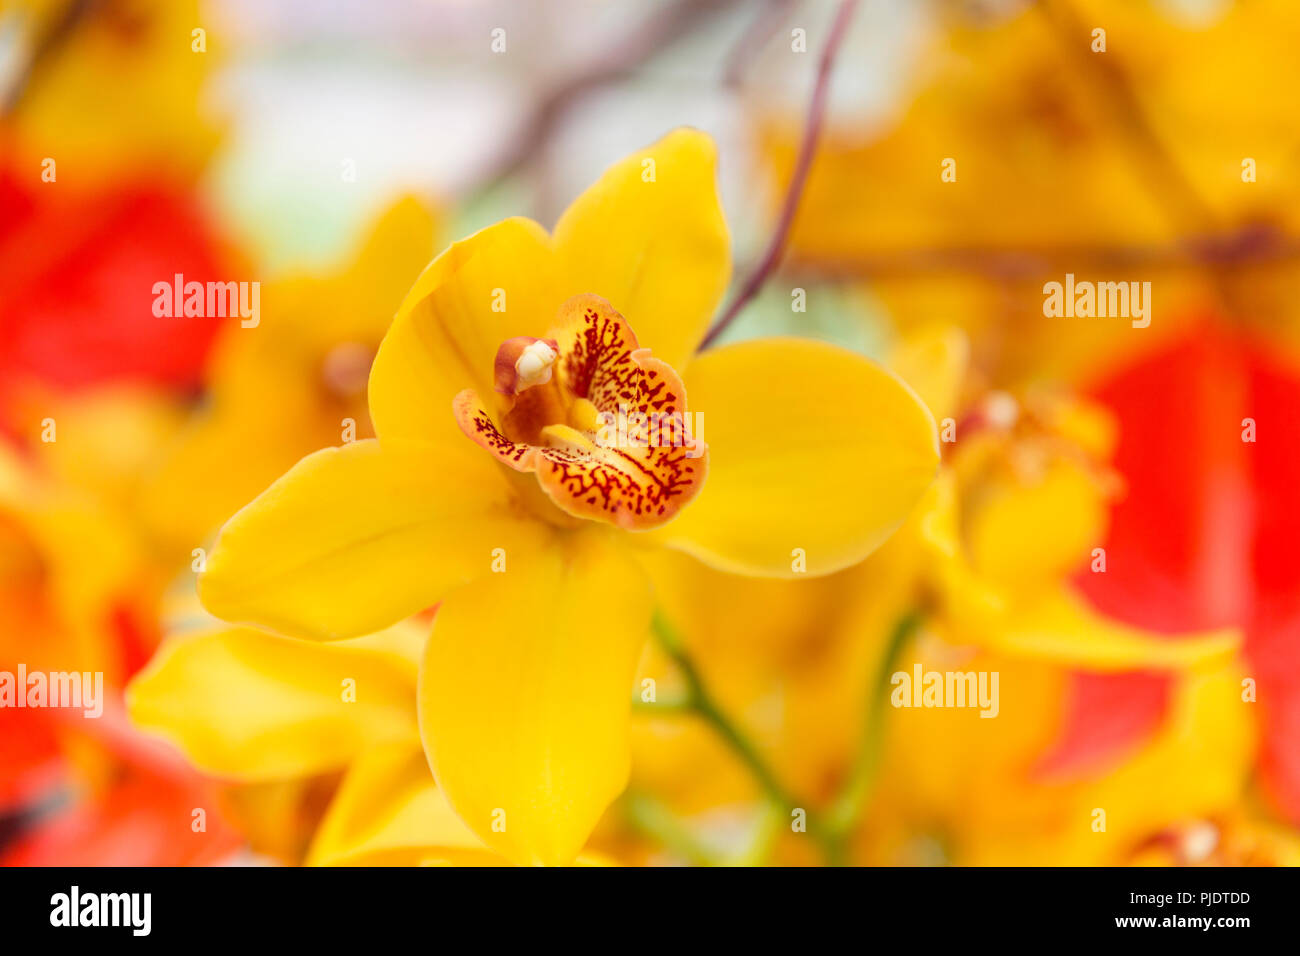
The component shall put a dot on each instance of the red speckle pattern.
(642, 474)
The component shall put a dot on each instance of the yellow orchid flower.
(979, 787)
(489, 451)
(1002, 543)
(1021, 504)
(1017, 508)
(291, 384)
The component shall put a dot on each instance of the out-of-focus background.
(1114, 530)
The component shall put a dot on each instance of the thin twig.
(43, 49)
(1252, 245)
(643, 42)
(807, 149)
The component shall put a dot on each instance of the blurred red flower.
(77, 271)
(1208, 533)
(144, 816)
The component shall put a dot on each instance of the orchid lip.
(599, 421)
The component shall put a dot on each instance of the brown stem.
(44, 48)
(1251, 245)
(659, 30)
(807, 149)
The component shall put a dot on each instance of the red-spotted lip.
(604, 427)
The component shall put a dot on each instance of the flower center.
(523, 362)
(600, 422)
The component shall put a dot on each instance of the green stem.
(699, 701)
(833, 834)
(852, 800)
(654, 819)
(673, 705)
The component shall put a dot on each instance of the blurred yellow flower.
(1019, 506)
(1060, 157)
(114, 90)
(984, 790)
(1018, 509)
(292, 384)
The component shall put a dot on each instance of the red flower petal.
(30, 761)
(140, 821)
(1208, 534)
(76, 284)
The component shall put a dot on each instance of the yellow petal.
(59, 606)
(1062, 627)
(650, 237)
(252, 706)
(497, 284)
(1025, 534)
(307, 314)
(525, 696)
(387, 804)
(964, 595)
(352, 539)
(934, 361)
(397, 247)
(814, 451)
(1087, 424)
